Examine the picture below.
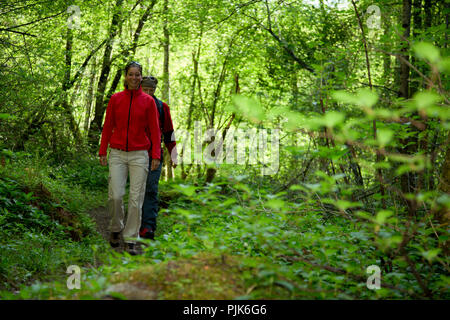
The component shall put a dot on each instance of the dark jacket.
(167, 128)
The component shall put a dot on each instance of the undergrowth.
(236, 235)
(43, 218)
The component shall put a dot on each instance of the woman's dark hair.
(133, 64)
(130, 65)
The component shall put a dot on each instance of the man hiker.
(150, 205)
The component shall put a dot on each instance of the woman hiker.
(131, 128)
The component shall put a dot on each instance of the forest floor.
(203, 276)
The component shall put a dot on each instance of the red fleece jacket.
(167, 129)
(131, 119)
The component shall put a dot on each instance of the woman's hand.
(155, 164)
(103, 160)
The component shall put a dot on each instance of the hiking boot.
(147, 233)
(131, 249)
(114, 239)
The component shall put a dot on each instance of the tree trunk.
(65, 88)
(100, 107)
(34, 123)
(90, 97)
(417, 27)
(211, 172)
(195, 59)
(407, 180)
(379, 173)
(219, 88)
(404, 68)
(166, 45)
(387, 72)
(167, 172)
(427, 10)
(417, 17)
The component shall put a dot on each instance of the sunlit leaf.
(384, 136)
(188, 190)
(366, 98)
(426, 99)
(333, 118)
(430, 255)
(382, 215)
(275, 203)
(248, 108)
(427, 51)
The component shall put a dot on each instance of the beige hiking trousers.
(120, 163)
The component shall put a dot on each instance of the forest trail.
(204, 275)
(131, 291)
(102, 220)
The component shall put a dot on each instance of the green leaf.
(360, 235)
(430, 255)
(243, 187)
(363, 98)
(228, 202)
(364, 215)
(333, 118)
(344, 204)
(117, 295)
(382, 165)
(444, 200)
(285, 284)
(366, 98)
(343, 96)
(183, 212)
(313, 186)
(426, 99)
(444, 65)
(384, 136)
(294, 121)
(266, 273)
(248, 108)
(185, 189)
(425, 50)
(275, 204)
(382, 216)
(296, 187)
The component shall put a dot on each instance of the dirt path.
(102, 220)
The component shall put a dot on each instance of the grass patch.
(204, 276)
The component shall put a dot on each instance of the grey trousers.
(136, 163)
